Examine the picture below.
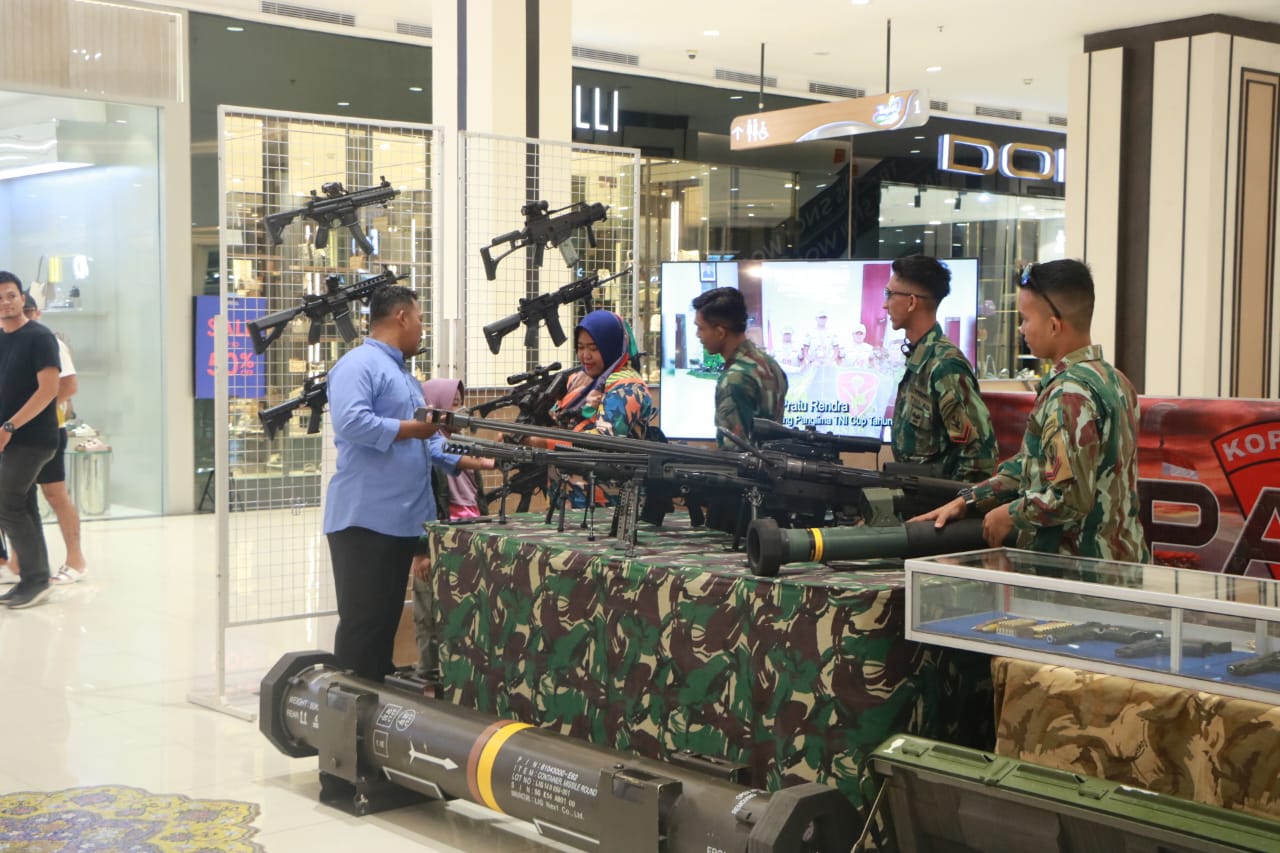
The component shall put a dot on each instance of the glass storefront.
(80, 225)
(1004, 232)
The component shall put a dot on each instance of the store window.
(1004, 232)
(702, 211)
(80, 225)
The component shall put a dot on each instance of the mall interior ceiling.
(982, 52)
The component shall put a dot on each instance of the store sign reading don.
(892, 111)
(1039, 162)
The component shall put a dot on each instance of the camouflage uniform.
(753, 385)
(939, 417)
(1074, 483)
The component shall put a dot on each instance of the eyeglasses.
(1029, 281)
(889, 294)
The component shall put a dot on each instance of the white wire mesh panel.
(277, 562)
(500, 176)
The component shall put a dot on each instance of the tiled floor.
(95, 687)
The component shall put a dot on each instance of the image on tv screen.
(824, 323)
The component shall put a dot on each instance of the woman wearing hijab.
(607, 395)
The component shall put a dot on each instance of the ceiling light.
(820, 186)
(735, 97)
(915, 150)
(415, 88)
(344, 103)
(235, 29)
(933, 69)
(860, 2)
(927, 231)
(935, 221)
(985, 197)
(917, 137)
(711, 32)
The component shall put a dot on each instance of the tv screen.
(823, 321)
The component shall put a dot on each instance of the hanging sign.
(891, 111)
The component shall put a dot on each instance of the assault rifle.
(336, 300)
(546, 309)
(1261, 663)
(336, 207)
(542, 229)
(314, 396)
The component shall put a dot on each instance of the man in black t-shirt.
(29, 369)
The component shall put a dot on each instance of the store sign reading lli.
(891, 111)
(1038, 162)
(595, 116)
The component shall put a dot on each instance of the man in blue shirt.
(381, 494)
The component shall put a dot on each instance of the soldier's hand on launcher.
(950, 511)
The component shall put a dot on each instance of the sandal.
(67, 575)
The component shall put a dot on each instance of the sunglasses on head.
(1029, 281)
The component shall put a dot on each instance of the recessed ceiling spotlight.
(933, 69)
(915, 150)
(235, 29)
(735, 97)
(917, 137)
(344, 103)
(415, 88)
(935, 221)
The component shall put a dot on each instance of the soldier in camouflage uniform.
(753, 385)
(939, 417)
(1073, 487)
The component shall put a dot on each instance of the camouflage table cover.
(680, 647)
(1201, 746)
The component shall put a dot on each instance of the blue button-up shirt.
(381, 484)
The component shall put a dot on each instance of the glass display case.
(1183, 627)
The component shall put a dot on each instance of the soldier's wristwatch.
(8, 426)
(969, 498)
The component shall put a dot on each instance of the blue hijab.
(613, 339)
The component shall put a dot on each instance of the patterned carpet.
(117, 819)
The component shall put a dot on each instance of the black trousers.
(370, 575)
(19, 514)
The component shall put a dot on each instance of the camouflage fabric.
(680, 647)
(939, 417)
(753, 385)
(1074, 483)
(1199, 746)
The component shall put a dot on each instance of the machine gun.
(542, 229)
(336, 207)
(336, 300)
(597, 466)
(808, 442)
(314, 396)
(794, 483)
(1261, 663)
(546, 309)
(385, 745)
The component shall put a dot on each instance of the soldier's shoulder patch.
(1057, 457)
